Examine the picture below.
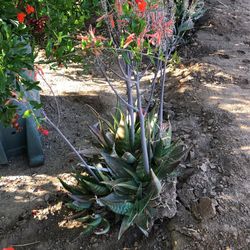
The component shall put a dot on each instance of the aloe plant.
(137, 153)
(122, 185)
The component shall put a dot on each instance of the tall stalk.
(163, 80)
(130, 101)
(142, 127)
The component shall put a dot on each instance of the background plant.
(26, 25)
(16, 56)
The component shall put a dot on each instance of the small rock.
(95, 245)
(93, 240)
(212, 166)
(47, 197)
(205, 209)
(210, 122)
(203, 167)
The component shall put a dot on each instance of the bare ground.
(208, 100)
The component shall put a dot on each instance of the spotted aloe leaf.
(117, 165)
(129, 158)
(97, 189)
(155, 184)
(96, 220)
(126, 223)
(123, 207)
(84, 219)
(99, 135)
(105, 227)
(78, 206)
(72, 189)
(142, 222)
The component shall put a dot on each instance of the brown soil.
(208, 100)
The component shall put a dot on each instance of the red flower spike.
(21, 17)
(29, 9)
(8, 248)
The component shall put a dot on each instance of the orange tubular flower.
(129, 40)
(21, 17)
(29, 9)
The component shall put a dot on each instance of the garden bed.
(209, 109)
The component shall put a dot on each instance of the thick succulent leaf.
(109, 138)
(120, 189)
(170, 163)
(114, 197)
(82, 205)
(100, 119)
(133, 175)
(117, 115)
(126, 223)
(166, 136)
(177, 153)
(84, 219)
(102, 176)
(79, 198)
(166, 169)
(142, 223)
(174, 152)
(78, 206)
(116, 165)
(152, 124)
(141, 205)
(139, 192)
(123, 208)
(105, 227)
(122, 137)
(99, 135)
(137, 144)
(155, 185)
(158, 149)
(97, 189)
(131, 185)
(140, 171)
(72, 189)
(113, 183)
(90, 227)
(128, 158)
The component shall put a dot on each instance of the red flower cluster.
(14, 122)
(43, 131)
(21, 15)
(142, 5)
(8, 248)
(29, 9)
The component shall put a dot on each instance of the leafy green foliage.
(15, 57)
(66, 19)
(123, 187)
(187, 13)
